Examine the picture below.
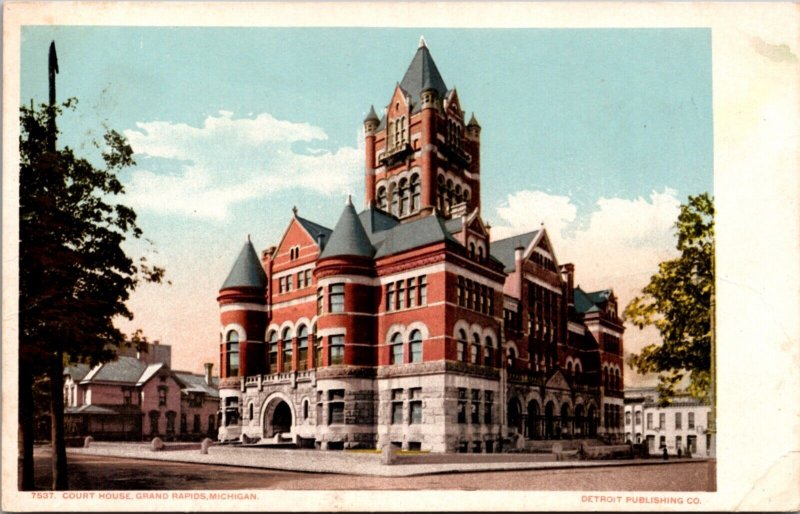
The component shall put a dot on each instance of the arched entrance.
(514, 414)
(534, 421)
(549, 425)
(592, 421)
(566, 421)
(580, 429)
(278, 418)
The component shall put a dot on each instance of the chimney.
(208, 367)
(568, 275)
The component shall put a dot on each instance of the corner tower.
(421, 156)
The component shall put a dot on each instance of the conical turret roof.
(422, 74)
(349, 237)
(247, 270)
(372, 115)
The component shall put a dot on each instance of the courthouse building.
(406, 324)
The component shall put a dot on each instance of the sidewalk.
(349, 463)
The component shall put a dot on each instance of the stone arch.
(534, 419)
(514, 414)
(268, 408)
(239, 329)
(461, 325)
(417, 325)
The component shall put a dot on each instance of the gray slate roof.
(89, 409)
(196, 383)
(414, 234)
(247, 270)
(349, 237)
(585, 302)
(422, 74)
(124, 369)
(376, 222)
(503, 250)
(77, 371)
(314, 229)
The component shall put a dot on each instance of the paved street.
(89, 472)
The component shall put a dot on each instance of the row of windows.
(286, 284)
(474, 406)
(487, 359)
(450, 193)
(400, 198)
(414, 406)
(453, 133)
(397, 133)
(475, 296)
(398, 348)
(335, 299)
(662, 420)
(613, 415)
(543, 261)
(407, 293)
(611, 379)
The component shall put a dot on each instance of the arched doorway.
(580, 429)
(592, 421)
(534, 421)
(514, 414)
(278, 418)
(549, 425)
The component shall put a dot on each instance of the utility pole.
(52, 70)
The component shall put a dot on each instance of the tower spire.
(422, 43)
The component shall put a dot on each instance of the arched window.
(396, 349)
(471, 250)
(466, 195)
(404, 197)
(317, 347)
(569, 368)
(232, 353)
(488, 352)
(382, 198)
(415, 192)
(302, 348)
(475, 349)
(461, 354)
(480, 253)
(441, 189)
(512, 358)
(287, 350)
(305, 408)
(250, 412)
(415, 346)
(272, 348)
(458, 194)
(449, 198)
(393, 199)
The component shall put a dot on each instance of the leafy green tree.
(74, 275)
(678, 302)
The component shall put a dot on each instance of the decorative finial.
(294, 210)
(349, 200)
(422, 42)
(248, 238)
(541, 224)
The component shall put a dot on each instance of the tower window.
(415, 193)
(232, 351)
(287, 350)
(336, 297)
(382, 198)
(415, 346)
(336, 350)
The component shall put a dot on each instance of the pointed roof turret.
(348, 237)
(371, 116)
(422, 74)
(473, 122)
(247, 270)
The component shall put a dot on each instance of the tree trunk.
(60, 481)
(25, 431)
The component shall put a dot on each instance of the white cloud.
(229, 160)
(619, 246)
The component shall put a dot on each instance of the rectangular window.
(678, 420)
(273, 358)
(336, 350)
(662, 420)
(318, 353)
(401, 295)
(196, 423)
(649, 420)
(397, 406)
(469, 294)
(415, 407)
(288, 283)
(460, 291)
(390, 297)
(638, 417)
(462, 405)
(300, 280)
(336, 407)
(281, 285)
(162, 396)
(412, 292)
(336, 297)
(126, 396)
(628, 418)
(662, 441)
(488, 405)
(475, 407)
(233, 359)
(690, 421)
(320, 301)
(423, 290)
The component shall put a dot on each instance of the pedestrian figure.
(664, 453)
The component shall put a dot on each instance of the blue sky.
(599, 133)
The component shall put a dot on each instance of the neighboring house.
(406, 324)
(139, 396)
(683, 424)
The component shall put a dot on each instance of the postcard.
(400, 256)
